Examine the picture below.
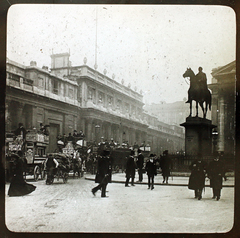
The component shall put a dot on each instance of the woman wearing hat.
(151, 169)
(18, 186)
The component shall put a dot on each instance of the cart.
(35, 154)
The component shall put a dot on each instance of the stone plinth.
(198, 136)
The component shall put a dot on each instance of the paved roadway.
(71, 207)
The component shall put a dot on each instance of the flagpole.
(95, 66)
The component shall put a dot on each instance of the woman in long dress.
(18, 186)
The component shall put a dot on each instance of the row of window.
(104, 100)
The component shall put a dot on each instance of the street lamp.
(97, 127)
(214, 137)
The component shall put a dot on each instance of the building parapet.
(101, 78)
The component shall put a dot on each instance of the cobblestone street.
(71, 207)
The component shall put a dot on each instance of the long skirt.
(19, 187)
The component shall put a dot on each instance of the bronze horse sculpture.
(198, 94)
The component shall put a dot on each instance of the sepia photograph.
(120, 118)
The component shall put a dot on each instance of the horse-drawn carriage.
(62, 170)
(74, 150)
(33, 150)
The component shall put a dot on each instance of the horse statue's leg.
(190, 108)
(206, 108)
(196, 109)
(201, 104)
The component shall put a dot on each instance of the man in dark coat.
(215, 173)
(165, 165)
(151, 170)
(51, 164)
(130, 169)
(21, 131)
(197, 177)
(140, 162)
(103, 173)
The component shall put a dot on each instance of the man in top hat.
(151, 170)
(140, 162)
(130, 169)
(165, 165)
(215, 172)
(103, 173)
(21, 131)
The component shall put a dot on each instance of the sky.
(148, 46)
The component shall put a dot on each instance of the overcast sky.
(149, 46)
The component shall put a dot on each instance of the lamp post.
(214, 139)
(97, 127)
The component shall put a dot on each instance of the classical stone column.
(89, 130)
(19, 115)
(109, 131)
(221, 124)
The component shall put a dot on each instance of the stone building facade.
(78, 98)
(223, 106)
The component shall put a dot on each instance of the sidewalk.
(172, 181)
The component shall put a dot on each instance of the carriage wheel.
(36, 172)
(43, 173)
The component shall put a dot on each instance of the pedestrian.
(197, 177)
(165, 165)
(151, 170)
(140, 163)
(215, 173)
(222, 159)
(21, 131)
(18, 186)
(130, 169)
(103, 173)
(51, 164)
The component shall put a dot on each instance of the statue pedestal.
(198, 136)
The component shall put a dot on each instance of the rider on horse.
(202, 79)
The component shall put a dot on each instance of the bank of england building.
(69, 98)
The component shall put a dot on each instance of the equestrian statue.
(198, 91)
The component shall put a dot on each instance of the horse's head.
(188, 73)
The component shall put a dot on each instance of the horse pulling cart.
(62, 171)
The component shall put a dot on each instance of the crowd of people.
(100, 163)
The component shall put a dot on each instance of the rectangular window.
(110, 100)
(70, 92)
(40, 82)
(55, 86)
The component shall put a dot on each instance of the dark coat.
(165, 165)
(197, 177)
(21, 131)
(18, 186)
(151, 168)
(140, 161)
(130, 167)
(102, 175)
(215, 172)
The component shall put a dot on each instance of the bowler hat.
(151, 155)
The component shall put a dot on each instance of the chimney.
(45, 67)
(33, 63)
